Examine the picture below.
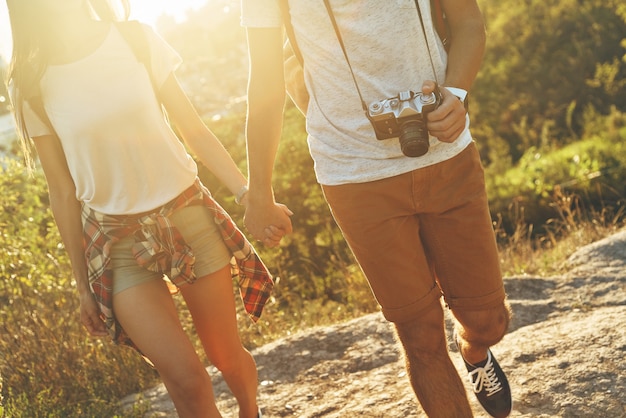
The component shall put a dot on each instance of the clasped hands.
(267, 222)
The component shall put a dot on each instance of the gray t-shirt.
(387, 51)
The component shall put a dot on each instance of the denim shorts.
(197, 227)
(423, 234)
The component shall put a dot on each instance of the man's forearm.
(263, 131)
(467, 47)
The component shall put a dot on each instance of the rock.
(564, 354)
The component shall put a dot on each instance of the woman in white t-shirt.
(88, 91)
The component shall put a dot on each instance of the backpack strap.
(291, 37)
(36, 104)
(136, 38)
(439, 20)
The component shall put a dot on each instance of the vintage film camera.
(404, 116)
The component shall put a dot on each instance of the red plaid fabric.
(160, 247)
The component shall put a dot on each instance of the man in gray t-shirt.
(382, 86)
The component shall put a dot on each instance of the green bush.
(545, 62)
(593, 169)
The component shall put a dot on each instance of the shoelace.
(485, 378)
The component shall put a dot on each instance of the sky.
(145, 10)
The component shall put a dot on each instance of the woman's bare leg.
(148, 315)
(211, 301)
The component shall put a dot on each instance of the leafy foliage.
(546, 63)
(593, 169)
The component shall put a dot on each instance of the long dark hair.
(31, 28)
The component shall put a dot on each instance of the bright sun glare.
(147, 11)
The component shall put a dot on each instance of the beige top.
(123, 156)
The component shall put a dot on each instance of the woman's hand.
(90, 316)
(268, 223)
(274, 234)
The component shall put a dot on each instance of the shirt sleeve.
(34, 125)
(261, 14)
(164, 60)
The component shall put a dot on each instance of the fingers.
(90, 316)
(271, 243)
(428, 86)
(95, 326)
(273, 235)
(285, 209)
(270, 224)
(286, 227)
(448, 120)
(446, 133)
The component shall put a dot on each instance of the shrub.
(593, 169)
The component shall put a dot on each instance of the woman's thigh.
(211, 302)
(210, 299)
(149, 317)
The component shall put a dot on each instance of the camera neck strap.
(343, 48)
(345, 53)
(430, 55)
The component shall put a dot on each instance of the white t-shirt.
(388, 54)
(123, 156)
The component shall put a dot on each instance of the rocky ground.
(564, 354)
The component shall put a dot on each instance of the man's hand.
(448, 121)
(90, 316)
(267, 222)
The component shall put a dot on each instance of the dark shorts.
(197, 227)
(423, 234)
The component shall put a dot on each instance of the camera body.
(404, 116)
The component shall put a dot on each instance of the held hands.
(267, 221)
(90, 316)
(447, 121)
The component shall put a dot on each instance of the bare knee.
(230, 362)
(484, 327)
(423, 336)
(188, 387)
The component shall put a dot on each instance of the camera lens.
(414, 141)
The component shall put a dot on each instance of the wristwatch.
(461, 94)
(240, 194)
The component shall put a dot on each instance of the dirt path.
(564, 354)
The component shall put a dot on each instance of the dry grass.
(524, 251)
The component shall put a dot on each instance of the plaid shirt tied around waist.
(160, 247)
